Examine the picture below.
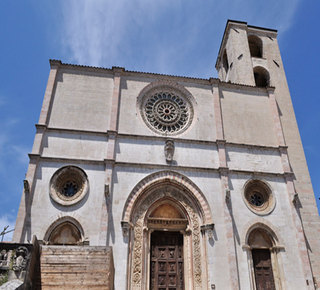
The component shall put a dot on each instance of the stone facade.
(226, 153)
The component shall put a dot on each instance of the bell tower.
(244, 54)
(250, 55)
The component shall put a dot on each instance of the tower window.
(261, 77)
(255, 46)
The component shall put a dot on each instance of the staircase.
(76, 267)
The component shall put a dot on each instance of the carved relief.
(138, 223)
(169, 150)
(3, 258)
(20, 259)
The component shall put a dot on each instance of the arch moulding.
(171, 178)
(173, 188)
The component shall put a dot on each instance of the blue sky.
(179, 37)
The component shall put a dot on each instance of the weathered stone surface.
(11, 285)
(76, 267)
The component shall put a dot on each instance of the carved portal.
(141, 233)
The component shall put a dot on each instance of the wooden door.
(166, 261)
(263, 269)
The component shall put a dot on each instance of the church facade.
(194, 183)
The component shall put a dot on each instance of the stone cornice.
(123, 72)
(164, 138)
(245, 88)
(157, 166)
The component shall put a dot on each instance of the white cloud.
(7, 220)
(160, 36)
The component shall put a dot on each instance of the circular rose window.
(258, 197)
(68, 185)
(167, 112)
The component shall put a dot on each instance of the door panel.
(166, 265)
(263, 269)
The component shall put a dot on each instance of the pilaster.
(225, 192)
(292, 194)
(106, 210)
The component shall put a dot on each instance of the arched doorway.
(166, 248)
(167, 226)
(260, 243)
(263, 256)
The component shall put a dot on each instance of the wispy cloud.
(21, 153)
(11, 151)
(177, 37)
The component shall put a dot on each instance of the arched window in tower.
(261, 77)
(263, 260)
(255, 46)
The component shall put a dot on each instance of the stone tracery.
(166, 107)
(167, 112)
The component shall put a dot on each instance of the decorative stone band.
(162, 223)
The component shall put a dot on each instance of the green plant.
(3, 278)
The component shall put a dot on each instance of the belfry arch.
(170, 203)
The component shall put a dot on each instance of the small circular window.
(258, 197)
(68, 185)
(167, 111)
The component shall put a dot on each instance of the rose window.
(259, 197)
(256, 199)
(167, 112)
(70, 188)
(68, 185)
